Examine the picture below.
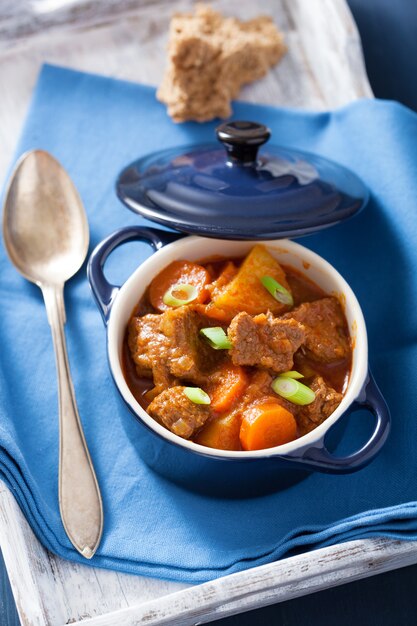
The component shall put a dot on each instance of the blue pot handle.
(319, 458)
(103, 291)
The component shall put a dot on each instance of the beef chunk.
(327, 337)
(265, 341)
(149, 349)
(326, 402)
(259, 386)
(259, 391)
(168, 347)
(175, 411)
(190, 357)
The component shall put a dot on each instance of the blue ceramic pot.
(240, 473)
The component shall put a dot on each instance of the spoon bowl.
(44, 224)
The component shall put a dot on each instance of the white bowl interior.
(286, 252)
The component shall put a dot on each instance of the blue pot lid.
(231, 191)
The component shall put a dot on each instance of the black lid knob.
(242, 140)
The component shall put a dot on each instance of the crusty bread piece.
(211, 57)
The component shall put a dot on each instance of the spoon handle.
(79, 495)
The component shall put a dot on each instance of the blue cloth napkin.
(95, 126)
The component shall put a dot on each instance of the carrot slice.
(178, 272)
(221, 433)
(232, 384)
(266, 426)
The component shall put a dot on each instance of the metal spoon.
(46, 236)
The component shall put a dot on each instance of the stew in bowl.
(237, 354)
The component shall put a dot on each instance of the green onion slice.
(293, 390)
(291, 374)
(277, 291)
(179, 295)
(197, 395)
(216, 337)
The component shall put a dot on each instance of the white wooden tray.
(323, 69)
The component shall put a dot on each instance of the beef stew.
(276, 368)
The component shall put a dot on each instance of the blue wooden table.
(389, 34)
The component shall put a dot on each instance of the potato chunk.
(222, 432)
(245, 291)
